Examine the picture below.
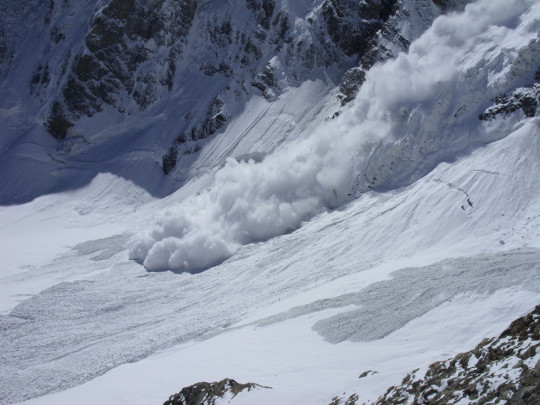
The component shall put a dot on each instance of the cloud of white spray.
(255, 201)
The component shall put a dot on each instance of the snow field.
(298, 365)
(111, 311)
(80, 322)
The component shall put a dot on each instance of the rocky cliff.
(172, 73)
(499, 370)
(204, 393)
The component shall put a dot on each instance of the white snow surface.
(387, 281)
(254, 201)
(305, 312)
(298, 365)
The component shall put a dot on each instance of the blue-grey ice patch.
(386, 306)
(103, 249)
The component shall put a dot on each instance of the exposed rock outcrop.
(280, 49)
(172, 74)
(101, 63)
(204, 393)
(503, 370)
(137, 53)
(526, 99)
(391, 35)
(131, 49)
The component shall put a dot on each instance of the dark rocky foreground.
(503, 370)
(204, 393)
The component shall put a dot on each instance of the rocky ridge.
(204, 393)
(125, 59)
(394, 36)
(502, 370)
(526, 99)
(135, 52)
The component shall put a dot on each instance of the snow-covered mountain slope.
(402, 231)
(140, 88)
(256, 311)
(411, 113)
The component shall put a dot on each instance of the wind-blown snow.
(419, 109)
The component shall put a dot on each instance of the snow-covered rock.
(503, 370)
(215, 393)
(412, 113)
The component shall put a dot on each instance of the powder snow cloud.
(252, 201)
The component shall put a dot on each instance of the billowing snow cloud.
(251, 201)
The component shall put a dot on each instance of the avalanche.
(402, 232)
(411, 113)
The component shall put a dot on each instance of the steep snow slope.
(307, 311)
(138, 88)
(411, 113)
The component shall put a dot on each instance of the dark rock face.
(351, 400)
(123, 37)
(264, 10)
(341, 17)
(504, 369)
(5, 55)
(204, 393)
(168, 161)
(138, 55)
(348, 24)
(57, 125)
(214, 120)
(7, 13)
(135, 51)
(351, 82)
(389, 37)
(526, 99)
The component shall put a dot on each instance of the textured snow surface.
(309, 310)
(299, 365)
(102, 311)
(408, 100)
